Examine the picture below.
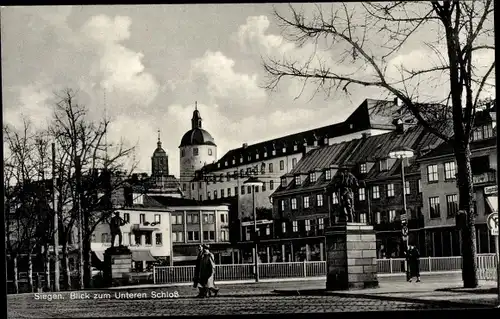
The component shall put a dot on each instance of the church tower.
(197, 149)
(159, 164)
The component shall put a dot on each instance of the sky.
(147, 65)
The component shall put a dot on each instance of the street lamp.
(403, 153)
(254, 182)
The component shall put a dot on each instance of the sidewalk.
(432, 289)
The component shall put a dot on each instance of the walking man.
(196, 279)
(413, 258)
(207, 272)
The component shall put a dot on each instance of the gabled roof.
(446, 149)
(371, 114)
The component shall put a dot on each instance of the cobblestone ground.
(245, 299)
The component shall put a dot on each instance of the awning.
(142, 255)
(493, 203)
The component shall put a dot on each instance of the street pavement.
(257, 298)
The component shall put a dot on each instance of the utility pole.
(56, 220)
(78, 172)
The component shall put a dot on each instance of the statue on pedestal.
(344, 183)
(114, 225)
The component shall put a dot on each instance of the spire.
(196, 120)
(159, 142)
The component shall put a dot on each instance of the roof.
(159, 151)
(446, 149)
(197, 136)
(371, 114)
(173, 201)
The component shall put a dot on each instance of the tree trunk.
(16, 274)
(65, 266)
(47, 267)
(30, 272)
(465, 190)
(87, 265)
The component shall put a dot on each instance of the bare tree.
(368, 36)
(79, 137)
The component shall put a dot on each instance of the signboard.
(492, 222)
(490, 190)
(404, 231)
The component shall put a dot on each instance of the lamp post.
(254, 182)
(403, 153)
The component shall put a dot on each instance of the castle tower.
(159, 164)
(197, 148)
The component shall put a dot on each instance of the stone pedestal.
(351, 257)
(117, 266)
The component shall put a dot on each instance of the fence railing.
(183, 274)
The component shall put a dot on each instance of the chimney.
(245, 145)
(366, 134)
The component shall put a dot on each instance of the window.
(201, 197)
(208, 235)
(157, 218)
(192, 186)
(93, 238)
(236, 191)
(284, 150)
(407, 188)
(126, 217)
(263, 187)
(419, 185)
(209, 195)
(450, 170)
(319, 200)
(193, 235)
(242, 190)
(209, 152)
(195, 151)
(268, 230)
(335, 198)
(362, 195)
(282, 165)
(378, 217)
(184, 187)
(295, 147)
(270, 167)
(192, 218)
(241, 159)
(274, 152)
(182, 153)
(294, 203)
(142, 218)
(223, 235)
(249, 189)
(257, 156)
(283, 227)
(434, 207)
(375, 192)
(221, 193)
(362, 218)
(295, 226)
(306, 202)
(126, 238)
(452, 205)
(271, 184)
(392, 215)
(159, 239)
(477, 134)
(147, 239)
(176, 219)
(215, 194)
(432, 173)
(283, 182)
(104, 238)
(282, 205)
(488, 130)
(321, 223)
(312, 177)
(390, 190)
(363, 168)
(265, 154)
(294, 162)
(308, 224)
(298, 180)
(383, 165)
(328, 175)
(256, 189)
(208, 218)
(247, 233)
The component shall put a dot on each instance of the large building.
(271, 159)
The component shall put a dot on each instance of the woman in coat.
(196, 278)
(207, 272)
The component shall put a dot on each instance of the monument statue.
(114, 225)
(343, 184)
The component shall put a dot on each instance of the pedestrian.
(413, 258)
(196, 279)
(207, 272)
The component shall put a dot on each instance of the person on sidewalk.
(413, 263)
(201, 291)
(207, 272)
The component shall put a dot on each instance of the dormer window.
(225, 163)
(383, 165)
(283, 182)
(315, 142)
(284, 150)
(274, 152)
(326, 141)
(234, 161)
(312, 177)
(295, 147)
(241, 159)
(218, 165)
(363, 169)
(249, 158)
(265, 154)
(298, 180)
(257, 156)
(328, 174)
